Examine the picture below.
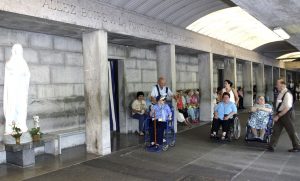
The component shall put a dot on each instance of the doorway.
(113, 95)
(220, 77)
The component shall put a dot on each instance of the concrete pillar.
(230, 70)
(123, 98)
(96, 92)
(282, 73)
(269, 83)
(166, 67)
(206, 86)
(276, 75)
(260, 80)
(248, 83)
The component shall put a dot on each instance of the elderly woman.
(260, 117)
(139, 111)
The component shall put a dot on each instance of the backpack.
(279, 105)
(159, 91)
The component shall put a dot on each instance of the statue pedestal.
(25, 138)
(20, 155)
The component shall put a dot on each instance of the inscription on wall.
(96, 12)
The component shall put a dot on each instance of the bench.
(54, 142)
(2, 153)
(69, 138)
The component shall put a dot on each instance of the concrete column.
(260, 80)
(166, 67)
(269, 83)
(206, 86)
(96, 92)
(248, 83)
(276, 75)
(282, 73)
(230, 70)
(123, 98)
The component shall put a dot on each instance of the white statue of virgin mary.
(16, 85)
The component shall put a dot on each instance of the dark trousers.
(141, 118)
(184, 112)
(160, 128)
(218, 122)
(241, 102)
(297, 95)
(286, 121)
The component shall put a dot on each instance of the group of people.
(227, 99)
(226, 107)
(188, 107)
(156, 107)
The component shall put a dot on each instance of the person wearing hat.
(160, 113)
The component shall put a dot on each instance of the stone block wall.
(187, 72)
(239, 75)
(217, 64)
(56, 91)
(140, 66)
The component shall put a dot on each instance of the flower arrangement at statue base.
(35, 132)
(16, 133)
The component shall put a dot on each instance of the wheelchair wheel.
(247, 134)
(268, 139)
(165, 147)
(172, 143)
(236, 128)
(147, 139)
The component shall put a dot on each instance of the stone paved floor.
(195, 157)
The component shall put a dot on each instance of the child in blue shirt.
(160, 114)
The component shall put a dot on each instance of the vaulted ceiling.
(178, 12)
(272, 13)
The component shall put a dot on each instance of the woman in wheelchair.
(259, 118)
(160, 114)
(223, 115)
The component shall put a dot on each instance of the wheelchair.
(234, 131)
(169, 138)
(268, 131)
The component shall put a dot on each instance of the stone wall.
(239, 75)
(56, 92)
(140, 66)
(217, 64)
(141, 70)
(187, 72)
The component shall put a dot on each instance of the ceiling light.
(288, 60)
(293, 55)
(281, 33)
(235, 26)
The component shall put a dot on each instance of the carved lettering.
(60, 6)
(121, 19)
(73, 9)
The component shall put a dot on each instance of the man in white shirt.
(284, 118)
(160, 89)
